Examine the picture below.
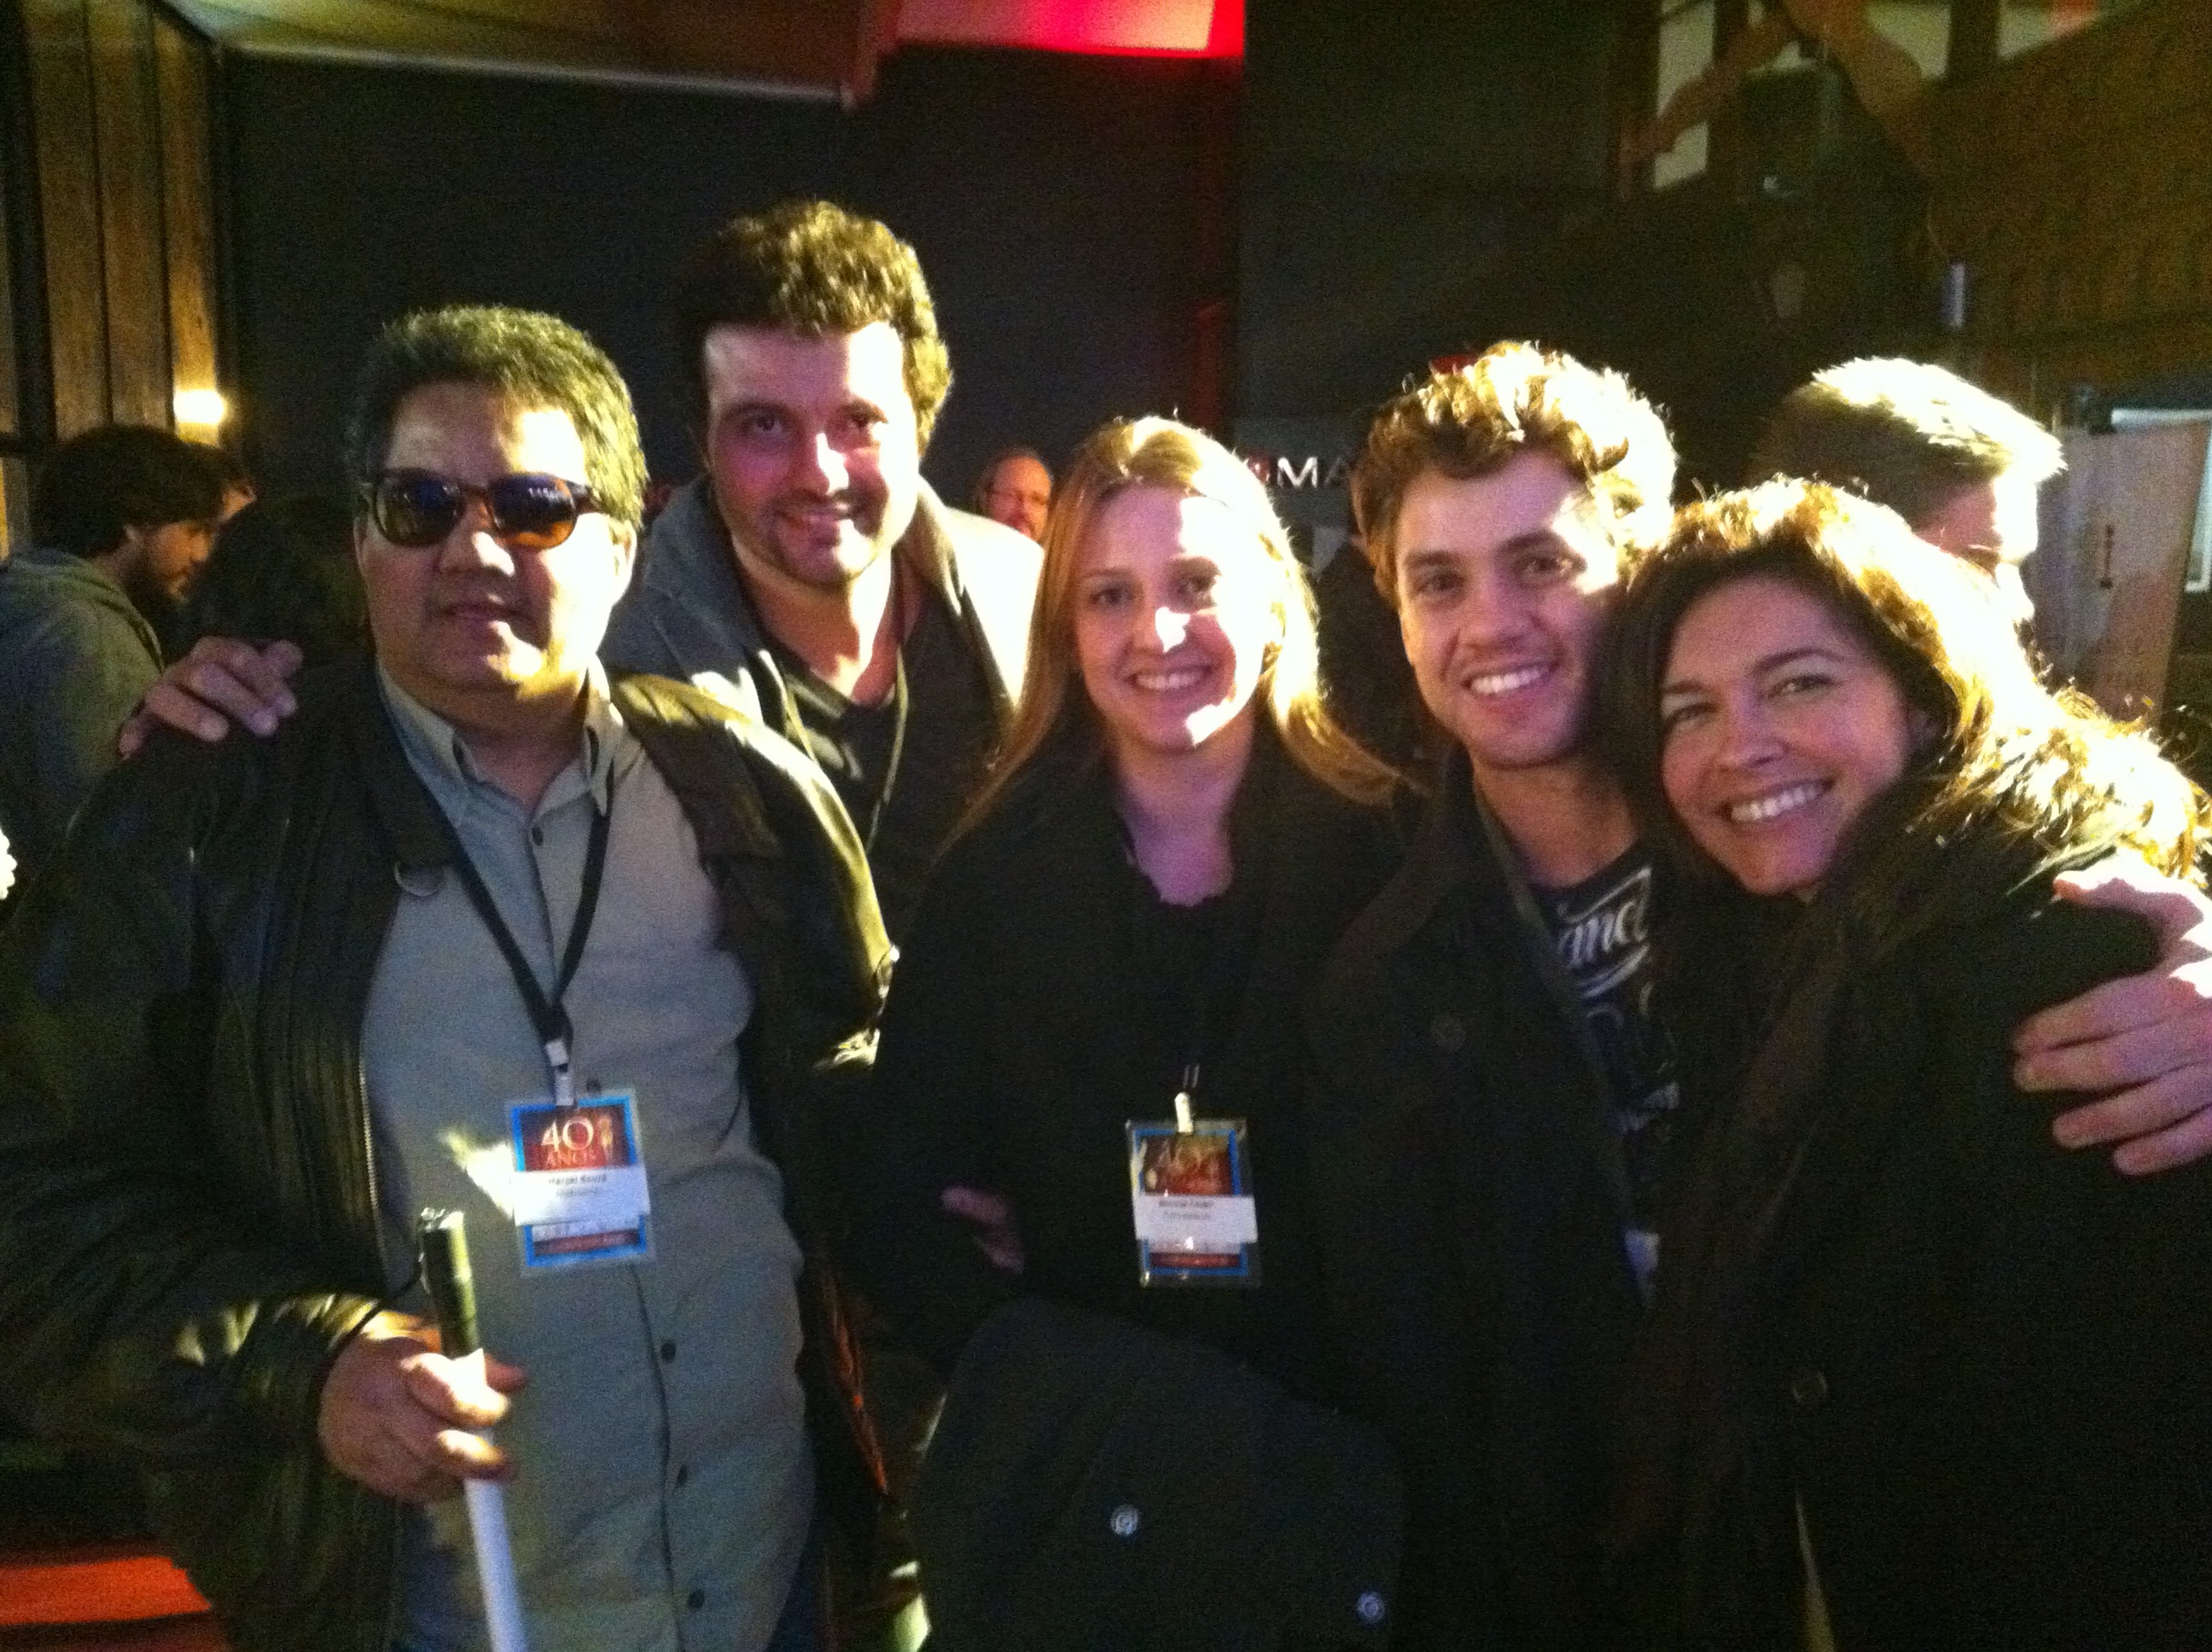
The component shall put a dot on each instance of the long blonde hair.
(1157, 452)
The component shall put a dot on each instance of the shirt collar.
(435, 747)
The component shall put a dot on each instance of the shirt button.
(1369, 1607)
(1124, 1521)
(1448, 1033)
(667, 1353)
(682, 1474)
(1810, 1388)
(538, 835)
(696, 1599)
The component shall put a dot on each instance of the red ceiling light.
(1176, 28)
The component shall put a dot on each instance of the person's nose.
(1748, 737)
(1493, 614)
(473, 546)
(1161, 626)
(820, 466)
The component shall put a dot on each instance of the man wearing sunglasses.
(811, 574)
(481, 929)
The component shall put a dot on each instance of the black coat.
(191, 1226)
(1975, 1361)
(1027, 1026)
(1472, 1203)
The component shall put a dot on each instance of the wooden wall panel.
(69, 201)
(120, 34)
(2073, 180)
(11, 378)
(15, 504)
(188, 204)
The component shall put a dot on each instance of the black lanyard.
(547, 1014)
(897, 755)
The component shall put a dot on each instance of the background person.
(283, 570)
(1015, 487)
(1959, 465)
(238, 487)
(1912, 1378)
(122, 518)
(1171, 838)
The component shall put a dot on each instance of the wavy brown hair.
(814, 269)
(1514, 398)
(2041, 765)
(1156, 453)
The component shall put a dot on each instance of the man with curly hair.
(1496, 1097)
(812, 567)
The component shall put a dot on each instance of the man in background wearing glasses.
(479, 919)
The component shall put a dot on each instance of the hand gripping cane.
(445, 1245)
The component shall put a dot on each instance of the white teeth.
(1169, 682)
(1506, 682)
(1775, 803)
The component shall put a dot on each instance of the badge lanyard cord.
(1187, 1092)
(548, 1014)
(1201, 1005)
(899, 702)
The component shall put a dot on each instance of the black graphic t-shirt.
(1602, 928)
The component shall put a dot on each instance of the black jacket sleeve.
(926, 1124)
(2011, 1424)
(141, 1303)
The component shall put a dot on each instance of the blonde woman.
(1116, 941)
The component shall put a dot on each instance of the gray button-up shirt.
(666, 1485)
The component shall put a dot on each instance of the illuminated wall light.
(204, 409)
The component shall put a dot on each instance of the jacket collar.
(1456, 861)
(1447, 854)
(397, 797)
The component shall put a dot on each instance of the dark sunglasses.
(528, 511)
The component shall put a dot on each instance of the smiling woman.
(1915, 1376)
(1104, 976)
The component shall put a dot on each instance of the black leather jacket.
(188, 1223)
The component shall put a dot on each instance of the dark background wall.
(1400, 162)
(1425, 178)
(1062, 207)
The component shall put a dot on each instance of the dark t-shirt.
(1602, 928)
(903, 794)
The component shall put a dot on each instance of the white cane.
(444, 1239)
